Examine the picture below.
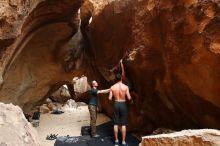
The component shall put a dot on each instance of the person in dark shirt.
(93, 101)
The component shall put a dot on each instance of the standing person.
(93, 101)
(120, 113)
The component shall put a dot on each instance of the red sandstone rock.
(203, 137)
(38, 38)
(172, 62)
(173, 59)
(44, 109)
(61, 95)
(51, 106)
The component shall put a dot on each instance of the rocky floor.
(68, 123)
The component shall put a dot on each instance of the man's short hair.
(94, 81)
(118, 77)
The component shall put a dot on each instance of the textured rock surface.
(172, 56)
(203, 137)
(12, 16)
(44, 109)
(14, 128)
(36, 64)
(173, 59)
(51, 106)
(61, 95)
(81, 84)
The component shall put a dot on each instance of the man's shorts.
(120, 113)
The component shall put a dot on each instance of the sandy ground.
(68, 123)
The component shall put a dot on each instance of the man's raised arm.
(122, 68)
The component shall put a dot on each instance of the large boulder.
(33, 38)
(61, 95)
(15, 130)
(81, 84)
(171, 56)
(202, 137)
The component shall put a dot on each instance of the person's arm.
(122, 69)
(128, 95)
(103, 91)
(110, 95)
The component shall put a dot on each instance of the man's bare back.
(120, 91)
(120, 111)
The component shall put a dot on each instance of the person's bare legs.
(116, 131)
(123, 133)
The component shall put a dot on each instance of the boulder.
(44, 109)
(51, 106)
(70, 105)
(48, 100)
(61, 95)
(35, 30)
(201, 137)
(15, 130)
(81, 84)
(171, 57)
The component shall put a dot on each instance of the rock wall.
(39, 60)
(203, 137)
(170, 50)
(12, 16)
(14, 127)
(172, 59)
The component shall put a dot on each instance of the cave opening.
(61, 114)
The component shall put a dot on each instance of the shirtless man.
(120, 113)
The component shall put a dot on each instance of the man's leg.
(116, 132)
(124, 120)
(93, 114)
(116, 135)
(123, 133)
(95, 118)
(116, 121)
